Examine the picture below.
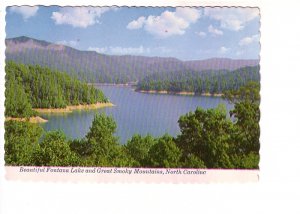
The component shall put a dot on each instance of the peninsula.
(32, 89)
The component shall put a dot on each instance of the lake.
(134, 113)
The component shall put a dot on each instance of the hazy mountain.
(94, 67)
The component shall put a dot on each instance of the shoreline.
(71, 108)
(113, 84)
(68, 109)
(35, 119)
(186, 93)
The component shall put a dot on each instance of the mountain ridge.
(102, 68)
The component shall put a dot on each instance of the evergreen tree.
(29, 86)
(165, 153)
(55, 151)
(206, 134)
(21, 143)
(102, 141)
(138, 148)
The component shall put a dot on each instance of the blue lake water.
(134, 113)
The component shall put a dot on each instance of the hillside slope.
(99, 68)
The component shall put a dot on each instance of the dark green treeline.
(32, 86)
(210, 81)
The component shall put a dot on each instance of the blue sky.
(184, 33)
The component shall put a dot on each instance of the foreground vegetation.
(208, 139)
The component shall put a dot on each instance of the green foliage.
(21, 143)
(55, 151)
(102, 142)
(192, 161)
(165, 153)
(138, 148)
(30, 86)
(213, 82)
(249, 161)
(206, 134)
(221, 143)
(247, 117)
(246, 114)
(17, 103)
(246, 93)
(102, 131)
(122, 159)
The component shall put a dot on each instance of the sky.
(186, 33)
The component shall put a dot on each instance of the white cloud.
(98, 50)
(78, 16)
(168, 23)
(201, 34)
(72, 43)
(117, 50)
(214, 31)
(223, 50)
(136, 24)
(25, 11)
(188, 14)
(232, 18)
(249, 40)
(141, 50)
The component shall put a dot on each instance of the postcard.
(167, 94)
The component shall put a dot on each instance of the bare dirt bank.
(36, 119)
(153, 92)
(179, 93)
(211, 95)
(69, 109)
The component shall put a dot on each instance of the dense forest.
(208, 139)
(210, 81)
(33, 86)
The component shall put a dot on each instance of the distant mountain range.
(100, 68)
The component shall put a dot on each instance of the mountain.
(94, 67)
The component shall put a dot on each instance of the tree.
(21, 143)
(248, 161)
(246, 114)
(30, 86)
(55, 151)
(138, 148)
(212, 81)
(206, 135)
(17, 103)
(101, 140)
(192, 161)
(165, 153)
(248, 93)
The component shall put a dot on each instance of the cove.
(134, 113)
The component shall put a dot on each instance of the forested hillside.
(29, 86)
(211, 81)
(93, 67)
